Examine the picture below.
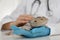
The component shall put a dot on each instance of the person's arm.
(7, 20)
(6, 26)
(5, 23)
(20, 21)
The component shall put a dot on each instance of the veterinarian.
(27, 9)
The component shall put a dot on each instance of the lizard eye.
(35, 21)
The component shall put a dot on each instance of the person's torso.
(32, 9)
(42, 10)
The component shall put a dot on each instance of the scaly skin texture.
(39, 21)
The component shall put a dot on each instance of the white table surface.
(11, 37)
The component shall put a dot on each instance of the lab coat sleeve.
(15, 14)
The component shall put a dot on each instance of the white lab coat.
(20, 9)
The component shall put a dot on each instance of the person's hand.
(35, 32)
(23, 19)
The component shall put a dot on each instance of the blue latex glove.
(35, 32)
